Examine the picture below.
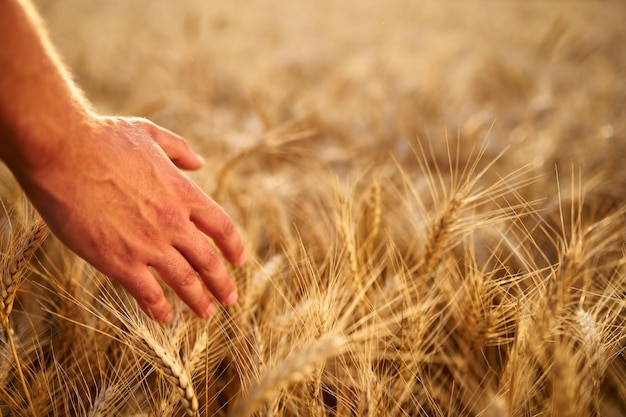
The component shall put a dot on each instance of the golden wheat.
(432, 203)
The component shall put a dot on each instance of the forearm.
(39, 103)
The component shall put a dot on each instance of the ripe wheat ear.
(14, 263)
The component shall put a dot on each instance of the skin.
(109, 188)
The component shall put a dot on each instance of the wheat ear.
(150, 342)
(439, 233)
(13, 264)
(594, 353)
(294, 369)
(173, 370)
(13, 271)
(370, 221)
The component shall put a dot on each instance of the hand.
(115, 197)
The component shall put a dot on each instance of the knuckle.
(121, 260)
(152, 296)
(211, 261)
(140, 122)
(149, 238)
(124, 258)
(187, 188)
(186, 279)
(146, 291)
(128, 126)
(169, 215)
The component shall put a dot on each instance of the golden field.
(432, 197)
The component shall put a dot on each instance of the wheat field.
(431, 195)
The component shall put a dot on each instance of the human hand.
(113, 194)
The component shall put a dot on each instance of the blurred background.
(342, 135)
(545, 79)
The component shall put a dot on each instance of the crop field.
(432, 196)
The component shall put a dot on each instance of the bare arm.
(109, 187)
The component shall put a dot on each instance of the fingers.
(209, 217)
(180, 252)
(196, 265)
(205, 260)
(175, 147)
(148, 293)
(183, 279)
(188, 277)
(212, 220)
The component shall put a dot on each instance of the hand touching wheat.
(117, 199)
(109, 187)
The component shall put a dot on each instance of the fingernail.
(232, 299)
(209, 310)
(200, 159)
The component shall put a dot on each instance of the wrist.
(32, 143)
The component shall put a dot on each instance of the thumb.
(176, 148)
